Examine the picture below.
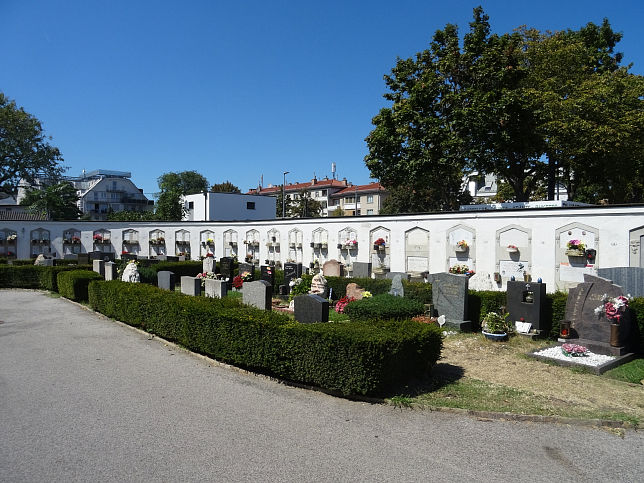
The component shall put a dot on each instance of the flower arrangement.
(351, 243)
(238, 282)
(181, 254)
(494, 323)
(512, 247)
(125, 252)
(76, 240)
(461, 270)
(366, 294)
(462, 245)
(209, 255)
(341, 304)
(574, 350)
(12, 237)
(576, 245)
(206, 275)
(379, 242)
(246, 276)
(98, 238)
(613, 308)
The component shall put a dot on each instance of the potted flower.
(461, 246)
(11, 239)
(513, 249)
(324, 245)
(574, 350)
(496, 326)
(461, 270)
(379, 244)
(613, 309)
(76, 240)
(575, 248)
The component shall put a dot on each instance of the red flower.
(238, 282)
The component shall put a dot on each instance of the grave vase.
(614, 335)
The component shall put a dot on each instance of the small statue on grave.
(318, 285)
(131, 273)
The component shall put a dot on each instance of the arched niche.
(40, 242)
(8, 243)
(416, 251)
(461, 247)
(156, 241)
(295, 246)
(513, 253)
(348, 246)
(570, 268)
(102, 239)
(230, 244)
(252, 247)
(71, 241)
(380, 249)
(273, 245)
(182, 243)
(207, 242)
(319, 245)
(636, 247)
(130, 242)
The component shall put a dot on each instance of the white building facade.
(227, 207)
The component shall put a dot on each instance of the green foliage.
(357, 358)
(555, 311)
(301, 288)
(127, 215)
(225, 187)
(168, 206)
(24, 150)
(305, 206)
(3, 260)
(420, 291)
(56, 202)
(384, 307)
(497, 323)
(184, 182)
(479, 303)
(73, 284)
(632, 372)
(636, 307)
(32, 276)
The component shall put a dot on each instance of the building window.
(369, 212)
(369, 198)
(348, 199)
(250, 205)
(323, 192)
(191, 205)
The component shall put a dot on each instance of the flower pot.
(575, 252)
(460, 249)
(495, 337)
(381, 248)
(312, 245)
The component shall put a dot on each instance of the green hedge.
(73, 284)
(384, 307)
(637, 313)
(422, 292)
(32, 276)
(355, 358)
(23, 261)
(4, 260)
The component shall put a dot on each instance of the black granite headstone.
(268, 274)
(527, 301)
(247, 267)
(449, 296)
(226, 267)
(290, 273)
(310, 309)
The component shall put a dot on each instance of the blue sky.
(237, 90)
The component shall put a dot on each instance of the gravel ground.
(590, 359)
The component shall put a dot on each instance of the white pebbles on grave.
(591, 359)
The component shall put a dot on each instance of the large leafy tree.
(57, 201)
(185, 182)
(225, 187)
(305, 206)
(25, 152)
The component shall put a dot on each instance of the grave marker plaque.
(361, 270)
(267, 273)
(226, 267)
(166, 280)
(258, 294)
(247, 267)
(449, 297)
(309, 309)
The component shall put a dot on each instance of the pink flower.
(611, 310)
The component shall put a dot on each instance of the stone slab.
(216, 288)
(449, 297)
(354, 291)
(518, 304)
(403, 275)
(166, 280)
(247, 267)
(332, 268)
(191, 286)
(111, 271)
(397, 286)
(309, 309)
(361, 270)
(258, 294)
(99, 267)
(208, 264)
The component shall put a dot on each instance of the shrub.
(357, 358)
(419, 291)
(3, 260)
(480, 303)
(23, 261)
(49, 275)
(636, 307)
(555, 311)
(384, 307)
(73, 284)
(20, 276)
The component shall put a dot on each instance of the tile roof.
(321, 183)
(360, 188)
(21, 216)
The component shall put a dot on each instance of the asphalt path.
(83, 398)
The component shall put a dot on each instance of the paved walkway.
(83, 398)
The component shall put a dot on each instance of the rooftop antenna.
(332, 170)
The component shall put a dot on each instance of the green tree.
(287, 205)
(185, 182)
(168, 206)
(25, 152)
(305, 206)
(56, 202)
(128, 215)
(338, 211)
(225, 187)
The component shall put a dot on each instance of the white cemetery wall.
(547, 230)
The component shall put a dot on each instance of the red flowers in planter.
(238, 282)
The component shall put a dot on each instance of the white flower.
(599, 310)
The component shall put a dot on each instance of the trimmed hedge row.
(73, 284)
(351, 358)
(422, 292)
(384, 306)
(33, 276)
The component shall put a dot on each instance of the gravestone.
(83, 259)
(131, 273)
(258, 294)
(631, 279)
(111, 271)
(70, 256)
(226, 267)
(124, 256)
(247, 267)
(397, 286)
(162, 258)
(290, 273)
(99, 267)
(593, 330)
(403, 275)
(482, 281)
(166, 280)
(449, 297)
(332, 268)
(319, 286)
(216, 288)
(353, 291)
(309, 309)
(191, 286)
(361, 270)
(267, 273)
(171, 258)
(527, 301)
(208, 264)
